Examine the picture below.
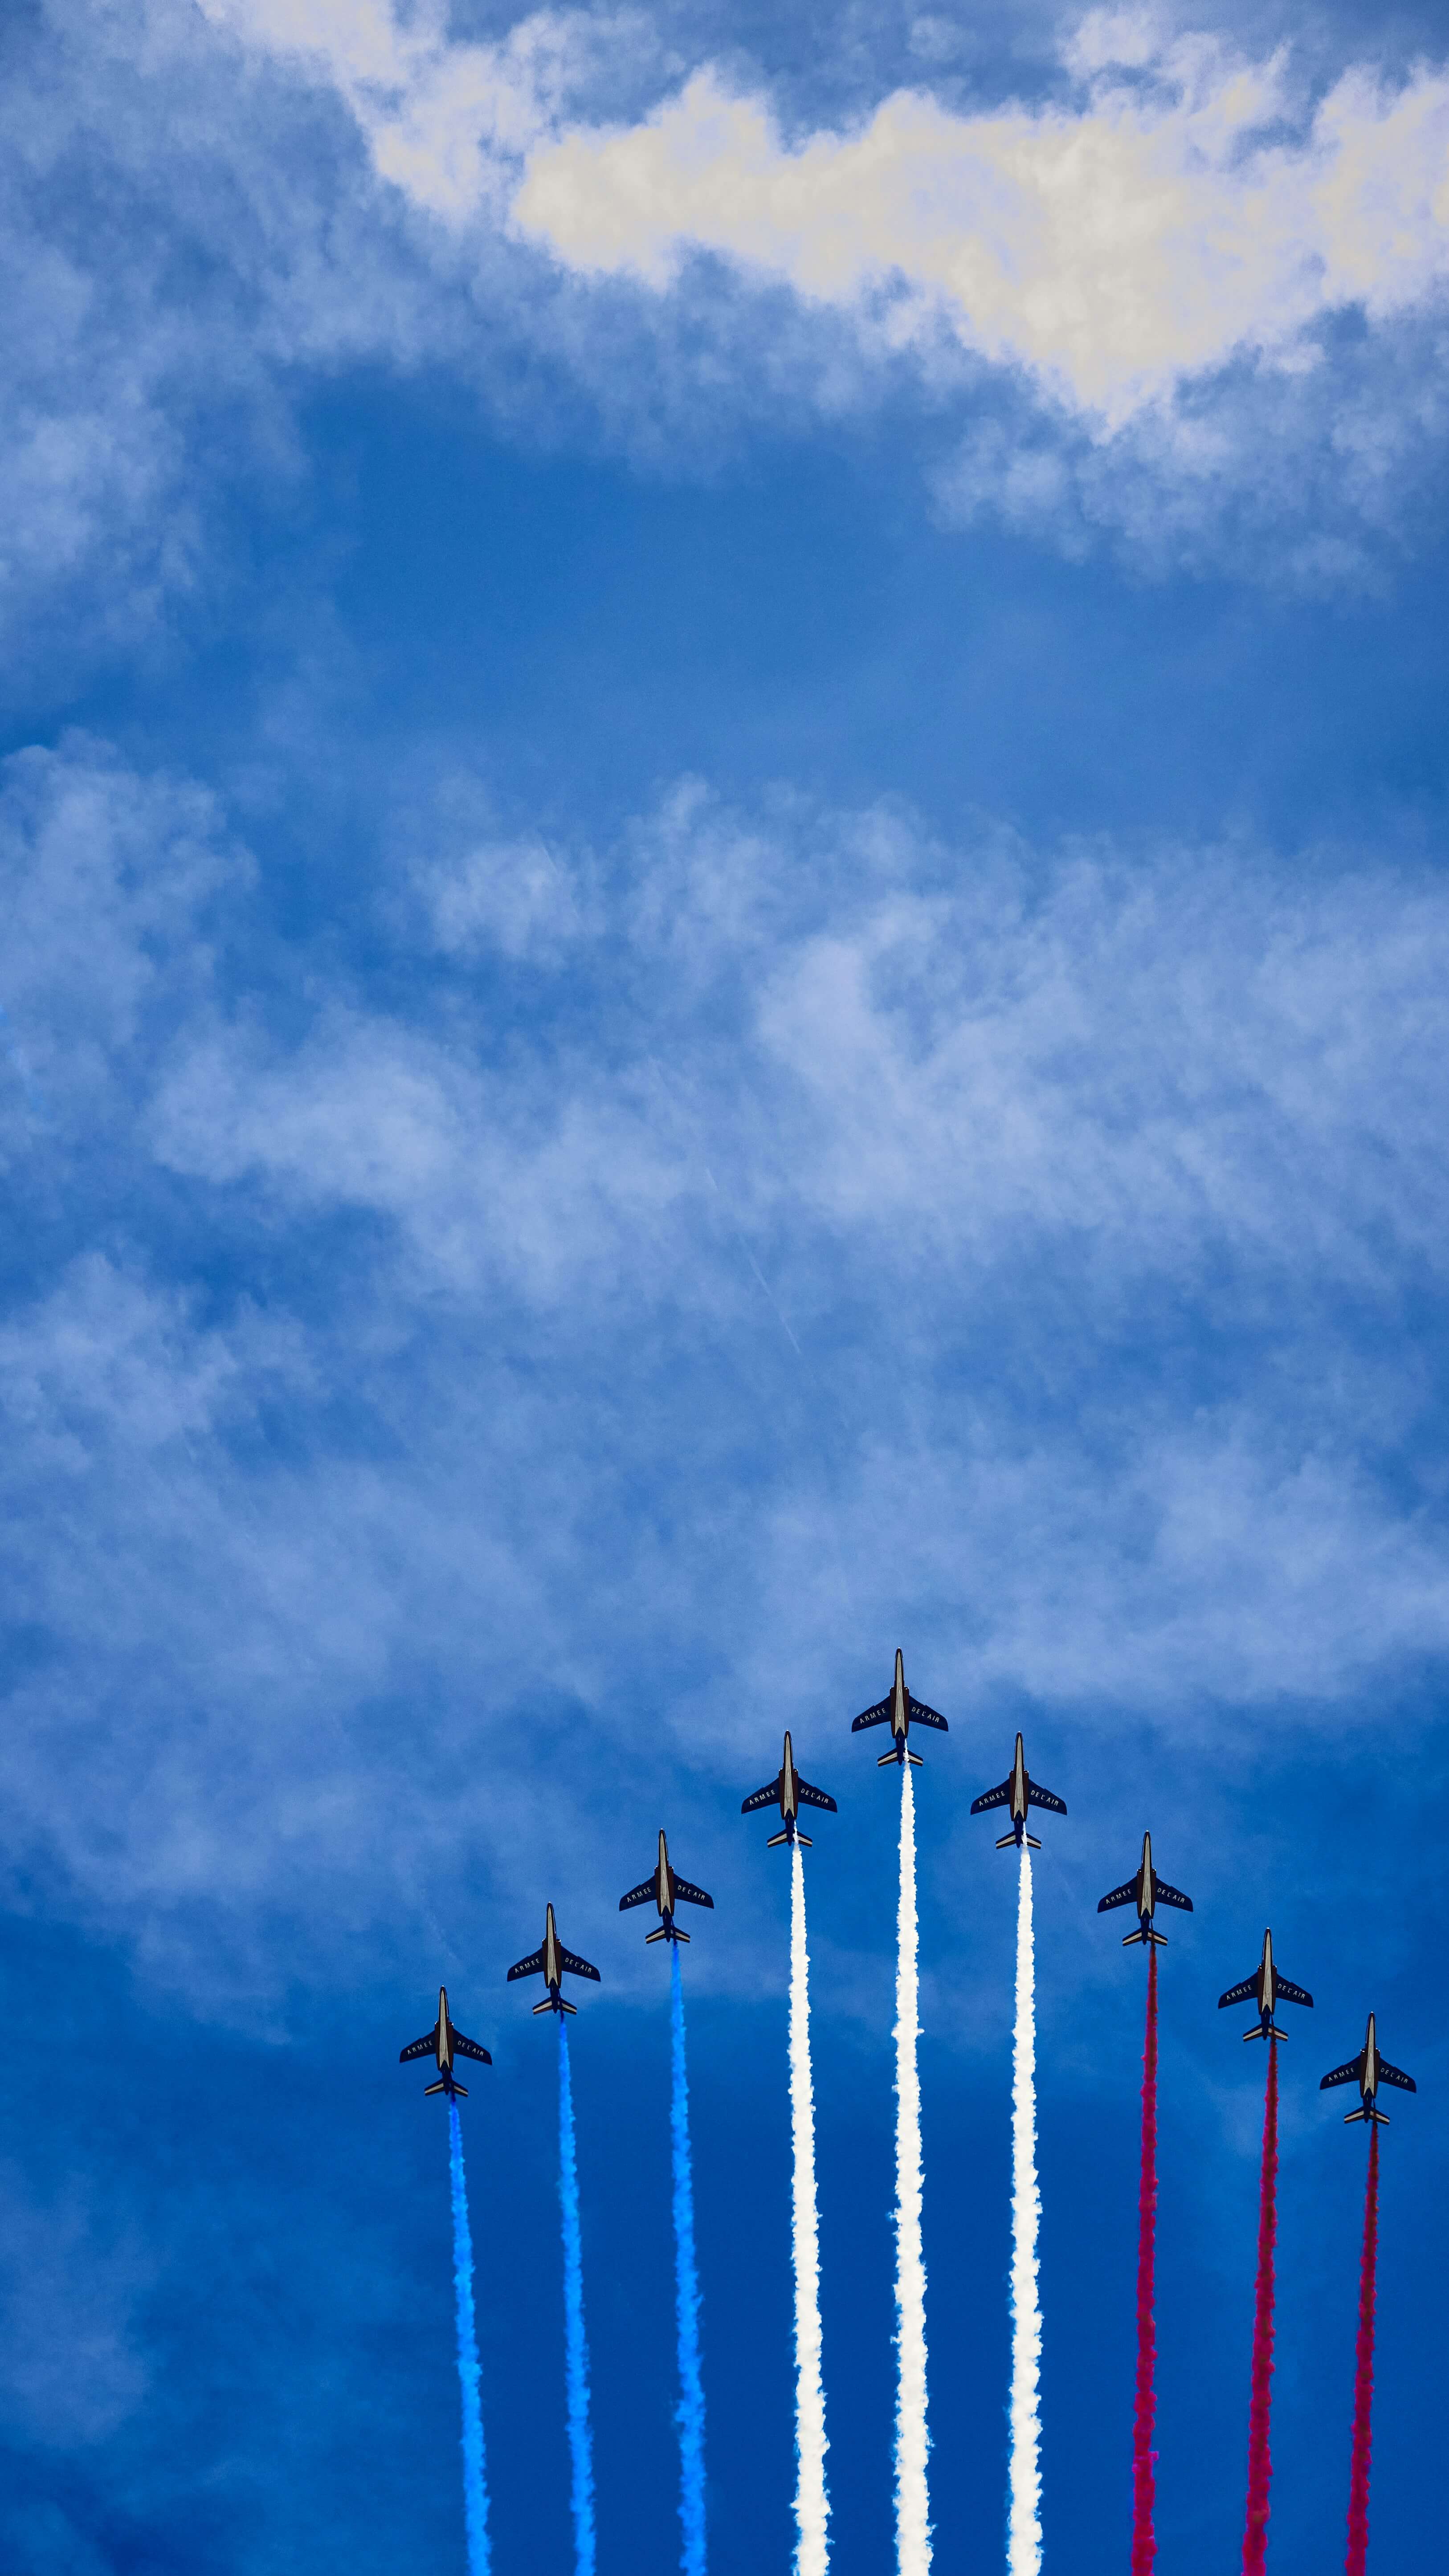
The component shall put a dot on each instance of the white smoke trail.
(812, 2504)
(913, 2520)
(1023, 2543)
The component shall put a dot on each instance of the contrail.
(1363, 2377)
(475, 2487)
(1144, 2458)
(812, 2504)
(913, 2512)
(1260, 2464)
(1023, 2544)
(689, 2413)
(576, 2350)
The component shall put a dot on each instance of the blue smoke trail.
(475, 2489)
(576, 2350)
(689, 2414)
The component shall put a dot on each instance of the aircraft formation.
(1018, 1793)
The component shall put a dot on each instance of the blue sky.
(723, 825)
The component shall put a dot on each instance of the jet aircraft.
(1368, 2071)
(902, 1712)
(552, 1962)
(1146, 1891)
(1267, 1990)
(1020, 1791)
(789, 1793)
(665, 1889)
(444, 2043)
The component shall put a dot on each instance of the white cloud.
(1113, 250)
(837, 1235)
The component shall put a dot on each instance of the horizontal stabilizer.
(1031, 1842)
(441, 2087)
(1154, 1935)
(1257, 2032)
(662, 1934)
(1129, 1937)
(1004, 1841)
(806, 1839)
(882, 1759)
(565, 2006)
(545, 2006)
(918, 1759)
(778, 1838)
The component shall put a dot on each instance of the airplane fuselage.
(552, 1964)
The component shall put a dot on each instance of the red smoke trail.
(1144, 2458)
(1363, 2377)
(1260, 2465)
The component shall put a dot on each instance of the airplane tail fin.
(917, 1758)
(545, 2006)
(882, 1759)
(778, 1838)
(1129, 1937)
(662, 1934)
(1005, 1841)
(1259, 2033)
(1370, 2112)
(1350, 2116)
(1032, 1843)
(441, 2087)
(804, 1838)
(565, 2006)
(1159, 1937)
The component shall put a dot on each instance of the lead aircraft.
(1267, 1990)
(1022, 1792)
(445, 2043)
(789, 1793)
(552, 1962)
(903, 1713)
(1146, 1891)
(665, 1887)
(1368, 2071)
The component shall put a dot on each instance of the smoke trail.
(812, 2504)
(576, 2350)
(1144, 2458)
(1260, 2465)
(1023, 2547)
(475, 2490)
(913, 2521)
(1363, 2377)
(689, 2414)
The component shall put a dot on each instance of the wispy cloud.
(382, 1374)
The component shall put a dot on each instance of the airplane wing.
(871, 1716)
(810, 1797)
(1395, 2075)
(769, 1797)
(641, 1895)
(576, 1967)
(1165, 1895)
(469, 2048)
(1349, 2074)
(1036, 1797)
(692, 1895)
(532, 1966)
(1246, 1993)
(923, 1716)
(1126, 1894)
(427, 2046)
(991, 1798)
(1290, 1994)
